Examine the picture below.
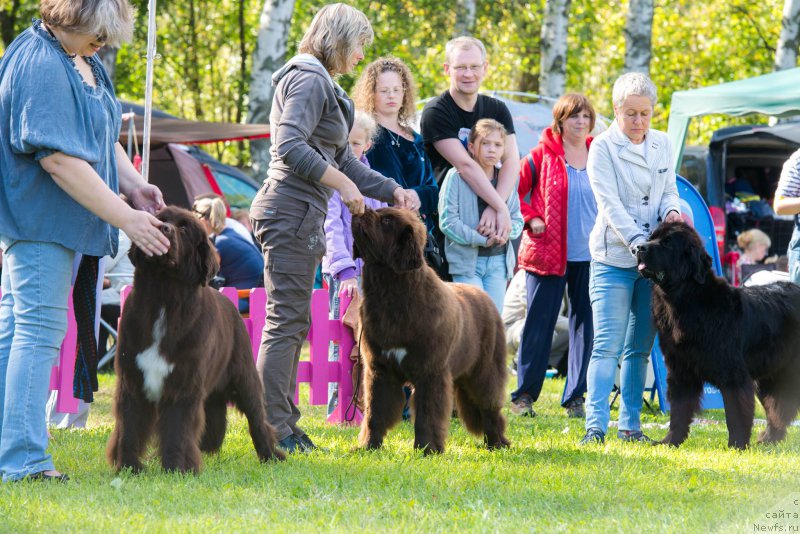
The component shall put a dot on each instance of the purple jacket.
(338, 261)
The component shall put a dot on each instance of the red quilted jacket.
(545, 253)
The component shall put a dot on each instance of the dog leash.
(354, 398)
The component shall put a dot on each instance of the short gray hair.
(334, 33)
(465, 42)
(109, 19)
(633, 84)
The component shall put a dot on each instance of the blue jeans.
(794, 253)
(33, 321)
(623, 326)
(490, 275)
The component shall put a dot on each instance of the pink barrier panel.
(64, 370)
(318, 371)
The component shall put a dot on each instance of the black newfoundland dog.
(184, 354)
(446, 339)
(745, 341)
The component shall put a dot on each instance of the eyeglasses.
(465, 68)
(200, 214)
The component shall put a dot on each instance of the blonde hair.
(464, 42)
(213, 210)
(110, 20)
(334, 33)
(367, 123)
(484, 127)
(364, 92)
(752, 237)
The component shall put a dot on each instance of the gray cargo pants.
(292, 239)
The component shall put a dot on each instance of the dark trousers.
(545, 294)
(110, 314)
(290, 233)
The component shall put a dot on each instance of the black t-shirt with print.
(443, 119)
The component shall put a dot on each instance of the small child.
(754, 244)
(485, 262)
(339, 269)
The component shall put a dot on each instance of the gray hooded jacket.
(310, 121)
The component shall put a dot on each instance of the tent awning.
(167, 129)
(775, 94)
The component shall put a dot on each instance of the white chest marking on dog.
(153, 365)
(397, 353)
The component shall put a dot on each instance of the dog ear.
(699, 263)
(135, 255)
(204, 265)
(406, 255)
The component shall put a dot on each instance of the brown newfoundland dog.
(745, 341)
(184, 354)
(443, 338)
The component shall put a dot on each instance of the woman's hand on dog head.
(145, 232)
(406, 199)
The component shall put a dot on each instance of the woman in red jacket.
(555, 252)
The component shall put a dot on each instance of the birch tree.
(269, 55)
(786, 53)
(553, 78)
(465, 17)
(638, 36)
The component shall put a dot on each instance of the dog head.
(674, 255)
(190, 258)
(390, 236)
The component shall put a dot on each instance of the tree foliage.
(695, 43)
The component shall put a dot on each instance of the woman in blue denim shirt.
(61, 168)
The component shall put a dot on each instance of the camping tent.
(773, 94)
(166, 128)
(183, 172)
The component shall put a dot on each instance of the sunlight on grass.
(544, 482)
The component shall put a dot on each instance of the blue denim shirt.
(45, 107)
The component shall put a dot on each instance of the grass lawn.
(543, 483)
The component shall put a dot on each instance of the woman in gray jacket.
(309, 124)
(630, 170)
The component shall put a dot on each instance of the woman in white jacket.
(631, 174)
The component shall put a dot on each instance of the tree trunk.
(8, 18)
(108, 56)
(553, 78)
(465, 17)
(638, 36)
(268, 56)
(192, 64)
(786, 53)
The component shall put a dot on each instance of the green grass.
(543, 483)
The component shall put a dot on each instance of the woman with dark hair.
(61, 169)
(310, 120)
(555, 252)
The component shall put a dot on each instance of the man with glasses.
(446, 122)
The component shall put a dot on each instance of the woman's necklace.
(394, 138)
(64, 48)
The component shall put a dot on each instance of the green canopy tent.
(773, 94)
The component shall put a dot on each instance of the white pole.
(148, 87)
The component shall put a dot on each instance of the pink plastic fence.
(317, 372)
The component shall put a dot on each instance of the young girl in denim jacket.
(485, 262)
